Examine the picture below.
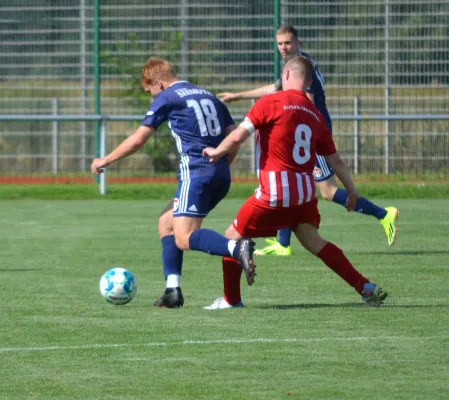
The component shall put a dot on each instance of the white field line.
(223, 341)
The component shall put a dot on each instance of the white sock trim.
(173, 281)
(231, 247)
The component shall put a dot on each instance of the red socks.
(334, 258)
(232, 272)
(330, 254)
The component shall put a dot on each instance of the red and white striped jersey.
(290, 133)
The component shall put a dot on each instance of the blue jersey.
(317, 89)
(197, 119)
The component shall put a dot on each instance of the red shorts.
(258, 220)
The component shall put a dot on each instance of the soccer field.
(304, 334)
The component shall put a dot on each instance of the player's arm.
(129, 146)
(342, 172)
(229, 145)
(233, 153)
(157, 113)
(249, 126)
(311, 97)
(326, 147)
(228, 97)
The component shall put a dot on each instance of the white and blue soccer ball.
(118, 286)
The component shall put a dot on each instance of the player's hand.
(212, 153)
(98, 166)
(352, 201)
(227, 97)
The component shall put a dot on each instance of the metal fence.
(387, 58)
(413, 150)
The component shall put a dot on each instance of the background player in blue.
(197, 120)
(289, 46)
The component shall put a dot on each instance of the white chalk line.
(219, 341)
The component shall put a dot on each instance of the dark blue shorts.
(197, 197)
(323, 171)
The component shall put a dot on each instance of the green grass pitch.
(304, 334)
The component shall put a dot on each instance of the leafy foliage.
(161, 149)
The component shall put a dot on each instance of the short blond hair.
(287, 29)
(157, 68)
(303, 68)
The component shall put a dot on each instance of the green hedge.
(239, 190)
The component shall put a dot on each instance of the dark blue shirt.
(317, 89)
(197, 119)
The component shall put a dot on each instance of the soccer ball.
(118, 286)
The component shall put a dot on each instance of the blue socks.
(211, 242)
(204, 240)
(363, 206)
(284, 237)
(171, 256)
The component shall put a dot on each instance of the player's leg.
(330, 254)
(278, 248)
(330, 191)
(232, 272)
(253, 220)
(197, 197)
(190, 236)
(172, 255)
(309, 237)
(172, 258)
(327, 185)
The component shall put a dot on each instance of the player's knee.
(165, 224)
(182, 242)
(327, 196)
(309, 238)
(313, 245)
(306, 242)
(232, 234)
(327, 191)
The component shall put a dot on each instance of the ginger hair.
(157, 68)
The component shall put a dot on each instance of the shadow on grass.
(306, 306)
(344, 305)
(406, 253)
(20, 269)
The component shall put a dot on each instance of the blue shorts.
(197, 197)
(323, 171)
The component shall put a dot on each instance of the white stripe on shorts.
(285, 189)
(300, 188)
(184, 196)
(273, 188)
(309, 188)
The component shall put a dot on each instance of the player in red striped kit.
(291, 131)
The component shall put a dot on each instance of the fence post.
(97, 74)
(356, 134)
(103, 133)
(83, 82)
(184, 15)
(387, 130)
(387, 87)
(276, 23)
(55, 137)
